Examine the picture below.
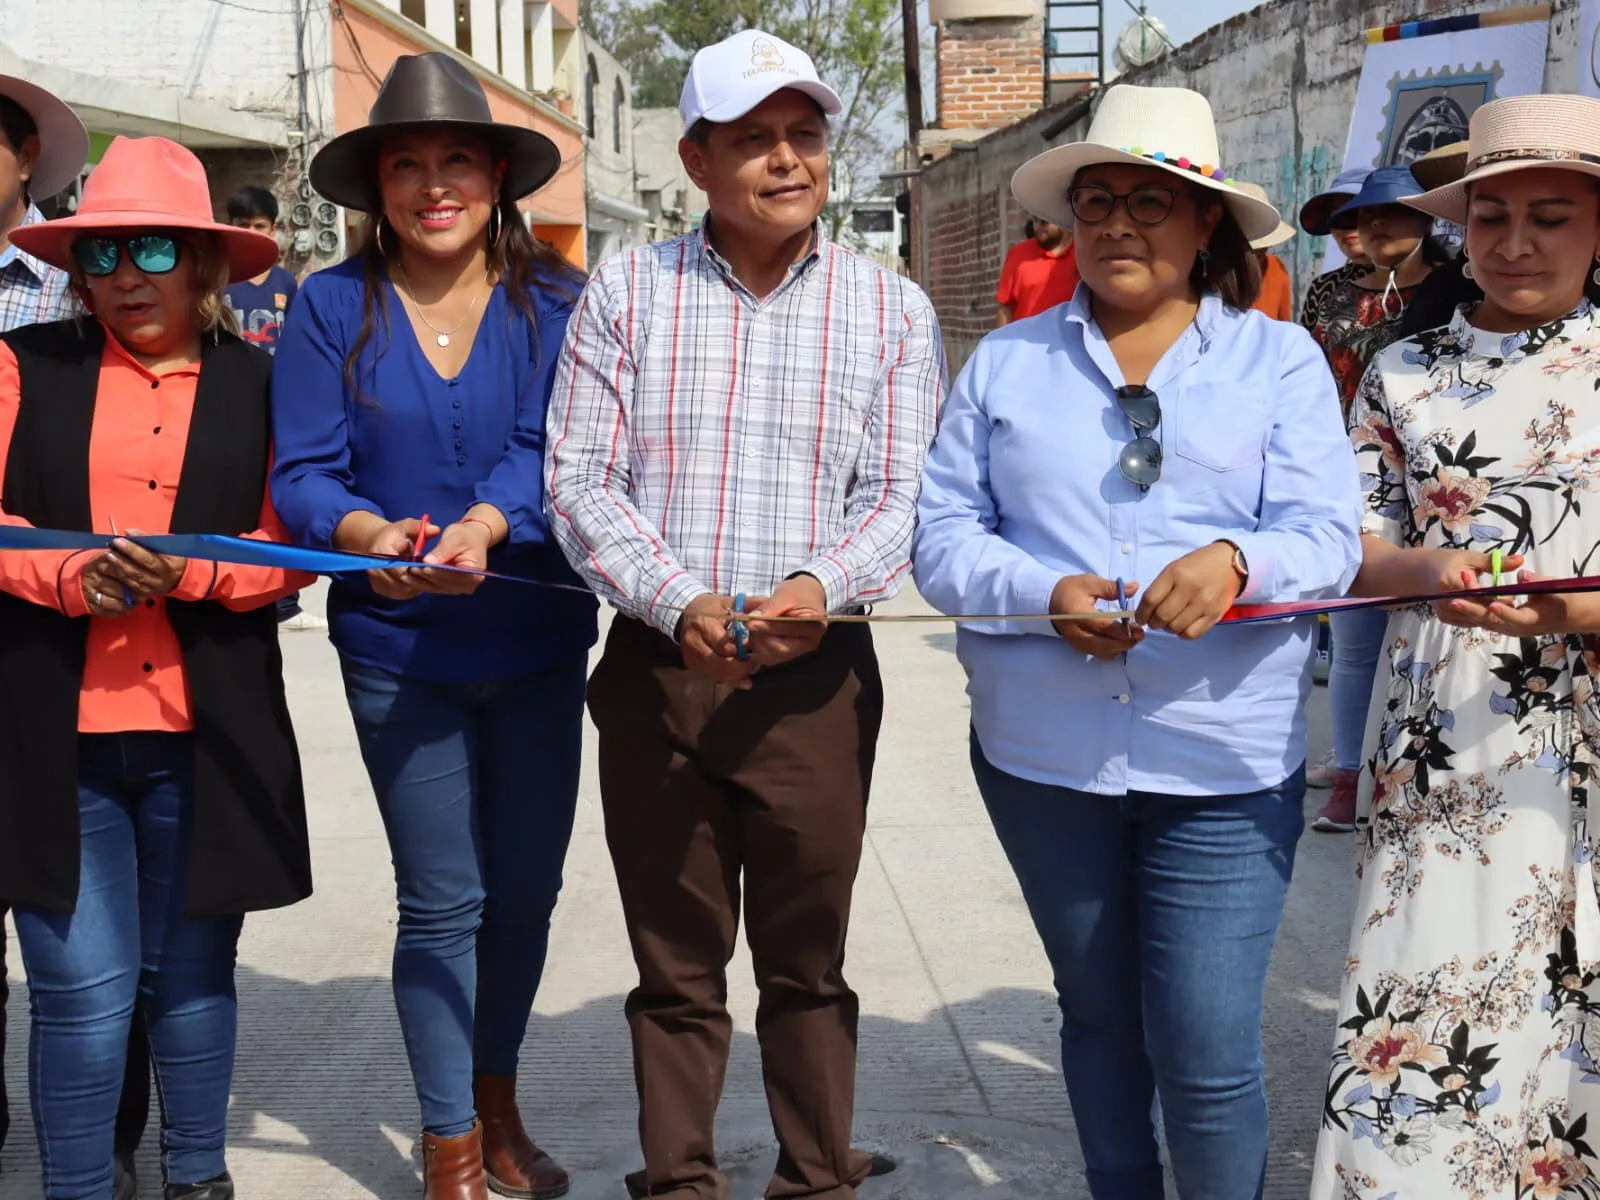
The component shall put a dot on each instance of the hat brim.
(1450, 201)
(1316, 214)
(249, 253)
(63, 141)
(1440, 170)
(733, 109)
(346, 169)
(1285, 232)
(1041, 185)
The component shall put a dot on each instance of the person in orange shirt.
(1039, 273)
(1277, 291)
(150, 788)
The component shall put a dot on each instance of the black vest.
(249, 847)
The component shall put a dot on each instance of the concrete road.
(959, 1075)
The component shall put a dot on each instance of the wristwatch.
(1241, 565)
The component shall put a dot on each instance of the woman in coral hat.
(150, 790)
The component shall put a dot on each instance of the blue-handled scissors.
(741, 634)
(1122, 596)
(127, 592)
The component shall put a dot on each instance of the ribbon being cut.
(211, 547)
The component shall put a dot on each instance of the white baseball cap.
(730, 78)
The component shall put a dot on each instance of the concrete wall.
(616, 219)
(242, 57)
(1282, 81)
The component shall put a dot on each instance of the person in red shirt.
(1277, 291)
(1039, 273)
(150, 789)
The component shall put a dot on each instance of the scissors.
(127, 592)
(422, 537)
(741, 635)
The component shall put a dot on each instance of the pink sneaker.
(1338, 815)
(1321, 773)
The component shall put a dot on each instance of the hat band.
(1498, 156)
(1181, 162)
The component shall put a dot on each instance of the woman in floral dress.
(1467, 1061)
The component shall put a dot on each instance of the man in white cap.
(742, 411)
(43, 147)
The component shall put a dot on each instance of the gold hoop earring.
(377, 237)
(495, 220)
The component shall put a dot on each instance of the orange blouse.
(1277, 299)
(134, 678)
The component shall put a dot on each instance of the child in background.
(260, 305)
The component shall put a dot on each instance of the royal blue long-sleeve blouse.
(402, 441)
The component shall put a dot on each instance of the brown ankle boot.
(452, 1168)
(514, 1165)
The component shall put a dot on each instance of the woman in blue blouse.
(1146, 779)
(413, 380)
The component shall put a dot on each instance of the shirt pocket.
(1218, 429)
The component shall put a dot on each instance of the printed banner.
(1589, 47)
(1421, 83)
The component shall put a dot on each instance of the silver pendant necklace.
(440, 336)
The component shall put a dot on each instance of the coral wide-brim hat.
(1515, 134)
(1168, 128)
(147, 184)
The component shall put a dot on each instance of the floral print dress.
(1467, 1061)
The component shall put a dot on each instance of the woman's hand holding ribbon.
(1076, 594)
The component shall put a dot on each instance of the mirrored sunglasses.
(152, 253)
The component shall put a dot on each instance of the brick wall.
(1282, 82)
(991, 73)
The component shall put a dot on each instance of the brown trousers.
(701, 783)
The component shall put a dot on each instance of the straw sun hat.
(1283, 233)
(1517, 133)
(1168, 128)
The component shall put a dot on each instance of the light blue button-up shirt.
(1022, 488)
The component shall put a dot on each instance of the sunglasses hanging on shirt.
(1140, 459)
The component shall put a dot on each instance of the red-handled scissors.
(422, 537)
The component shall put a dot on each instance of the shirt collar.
(117, 350)
(1212, 311)
(38, 268)
(819, 241)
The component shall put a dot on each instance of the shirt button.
(157, 429)
(149, 603)
(461, 460)
(152, 485)
(149, 667)
(1127, 547)
(1124, 698)
(455, 404)
(456, 422)
(155, 383)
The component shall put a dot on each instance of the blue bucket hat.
(1386, 185)
(1315, 212)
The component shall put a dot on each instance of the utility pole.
(913, 48)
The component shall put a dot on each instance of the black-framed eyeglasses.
(152, 253)
(1140, 459)
(1147, 204)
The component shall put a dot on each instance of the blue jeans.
(478, 786)
(129, 940)
(1357, 643)
(1158, 915)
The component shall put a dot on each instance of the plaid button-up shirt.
(33, 292)
(704, 440)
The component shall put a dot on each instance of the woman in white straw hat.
(1467, 1059)
(1146, 778)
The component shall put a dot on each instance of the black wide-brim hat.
(431, 92)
